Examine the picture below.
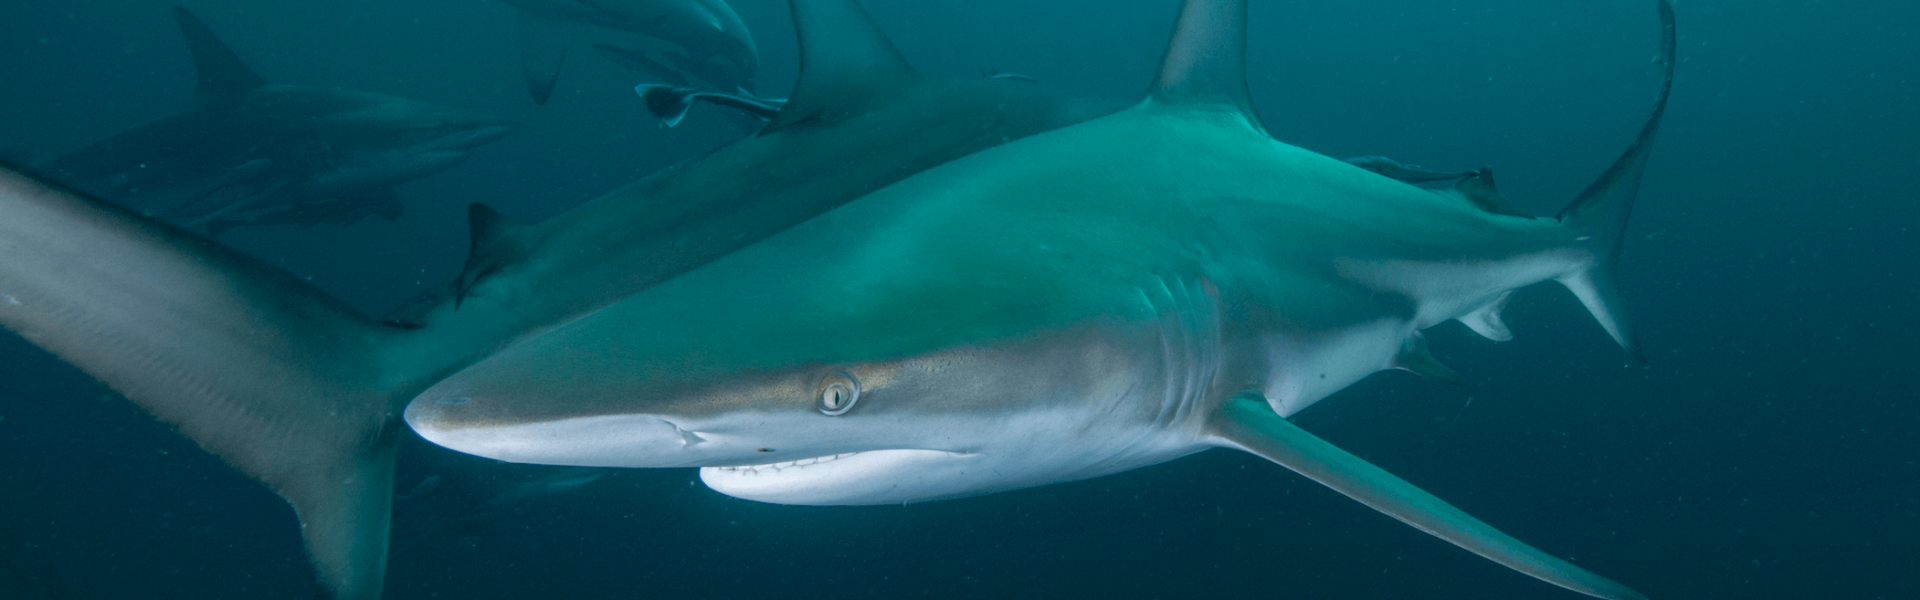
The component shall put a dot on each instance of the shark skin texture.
(266, 153)
(999, 302)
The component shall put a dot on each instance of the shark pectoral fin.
(544, 43)
(1415, 357)
(275, 378)
(220, 71)
(1486, 319)
(494, 241)
(846, 64)
(1599, 214)
(1250, 424)
(1206, 61)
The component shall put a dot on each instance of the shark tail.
(1599, 214)
(259, 369)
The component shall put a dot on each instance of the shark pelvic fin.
(1599, 214)
(220, 71)
(544, 43)
(1476, 187)
(1414, 357)
(273, 377)
(846, 63)
(494, 241)
(1206, 61)
(1486, 319)
(1249, 424)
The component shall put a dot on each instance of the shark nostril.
(453, 401)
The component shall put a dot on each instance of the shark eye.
(838, 392)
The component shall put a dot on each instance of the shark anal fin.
(273, 377)
(544, 43)
(220, 71)
(1416, 358)
(846, 63)
(1206, 60)
(1486, 320)
(1599, 214)
(1250, 424)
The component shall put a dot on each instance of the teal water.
(1767, 450)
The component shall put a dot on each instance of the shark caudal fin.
(1251, 425)
(1600, 213)
(277, 379)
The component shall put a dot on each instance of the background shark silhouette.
(251, 152)
(713, 45)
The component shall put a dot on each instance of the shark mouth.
(852, 478)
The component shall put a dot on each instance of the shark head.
(828, 365)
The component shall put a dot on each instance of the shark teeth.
(750, 469)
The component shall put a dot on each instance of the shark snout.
(476, 426)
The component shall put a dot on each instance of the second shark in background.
(259, 152)
(714, 45)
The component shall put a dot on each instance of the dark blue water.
(1770, 448)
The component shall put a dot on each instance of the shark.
(256, 149)
(714, 45)
(904, 288)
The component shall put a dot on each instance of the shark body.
(715, 46)
(998, 293)
(248, 151)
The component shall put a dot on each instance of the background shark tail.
(1600, 213)
(277, 379)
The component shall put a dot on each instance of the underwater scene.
(959, 299)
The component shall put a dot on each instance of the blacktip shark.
(891, 380)
(1056, 308)
(717, 47)
(248, 151)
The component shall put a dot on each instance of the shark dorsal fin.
(1206, 61)
(494, 241)
(220, 70)
(1477, 188)
(845, 61)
